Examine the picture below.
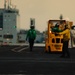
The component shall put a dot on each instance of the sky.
(42, 11)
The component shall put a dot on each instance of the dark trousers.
(65, 49)
(31, 43)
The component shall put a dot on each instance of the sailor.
(56, 28)
(66, 38)
(31, 36)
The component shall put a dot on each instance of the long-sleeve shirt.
(56, 29)
(66, 34)
(31, 34)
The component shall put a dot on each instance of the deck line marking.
(16, 48)
(23, 49)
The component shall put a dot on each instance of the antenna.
(8, 4)
(5, 4)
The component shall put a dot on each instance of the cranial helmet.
(56, 25)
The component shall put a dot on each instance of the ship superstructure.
(9, 24)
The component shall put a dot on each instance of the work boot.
(62, 56)
(67, 56)
(30, 49)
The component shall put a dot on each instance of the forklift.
(54, 42)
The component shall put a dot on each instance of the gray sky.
(42, 11)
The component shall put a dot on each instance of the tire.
(49, 49)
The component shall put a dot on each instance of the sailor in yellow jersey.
(66, 38)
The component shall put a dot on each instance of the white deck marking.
(19, 50)
(16, 48)
(23, 49)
